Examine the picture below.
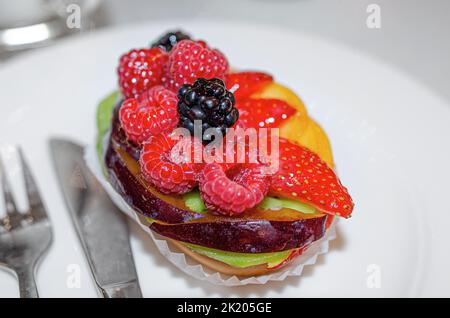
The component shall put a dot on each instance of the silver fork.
(24, 237)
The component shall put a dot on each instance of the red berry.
(263, 113)
(241, 149)
(155, 111)
(141, 69)
(303, 176)
(234, 191)
(165, 164)
(190, 60)
(248, 82)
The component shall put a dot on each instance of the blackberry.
(208, 101)
(168, 40)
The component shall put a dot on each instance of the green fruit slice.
(274, 203)
(104, 113)
(194, 201)
(241, 259)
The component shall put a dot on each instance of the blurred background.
(411, 35)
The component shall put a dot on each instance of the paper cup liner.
(190, 266)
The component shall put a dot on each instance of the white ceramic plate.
(389, 136)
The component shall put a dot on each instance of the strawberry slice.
(249, 82)
(303, 176)
(262, 113)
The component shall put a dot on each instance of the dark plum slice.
(259, 236)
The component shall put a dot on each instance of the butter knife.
(101, 227)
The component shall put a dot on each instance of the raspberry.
(208, 101)
(168, 40)
(234, 191)
(165, 165)
(190, 60)
(141, 69)
(155, 111)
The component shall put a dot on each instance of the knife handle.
(126, 290)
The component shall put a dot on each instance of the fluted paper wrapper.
(190, 266)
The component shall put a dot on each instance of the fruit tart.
(225, 164)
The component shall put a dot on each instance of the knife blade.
(101, 227)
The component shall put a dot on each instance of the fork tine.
(36, 206)
(12, 216)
